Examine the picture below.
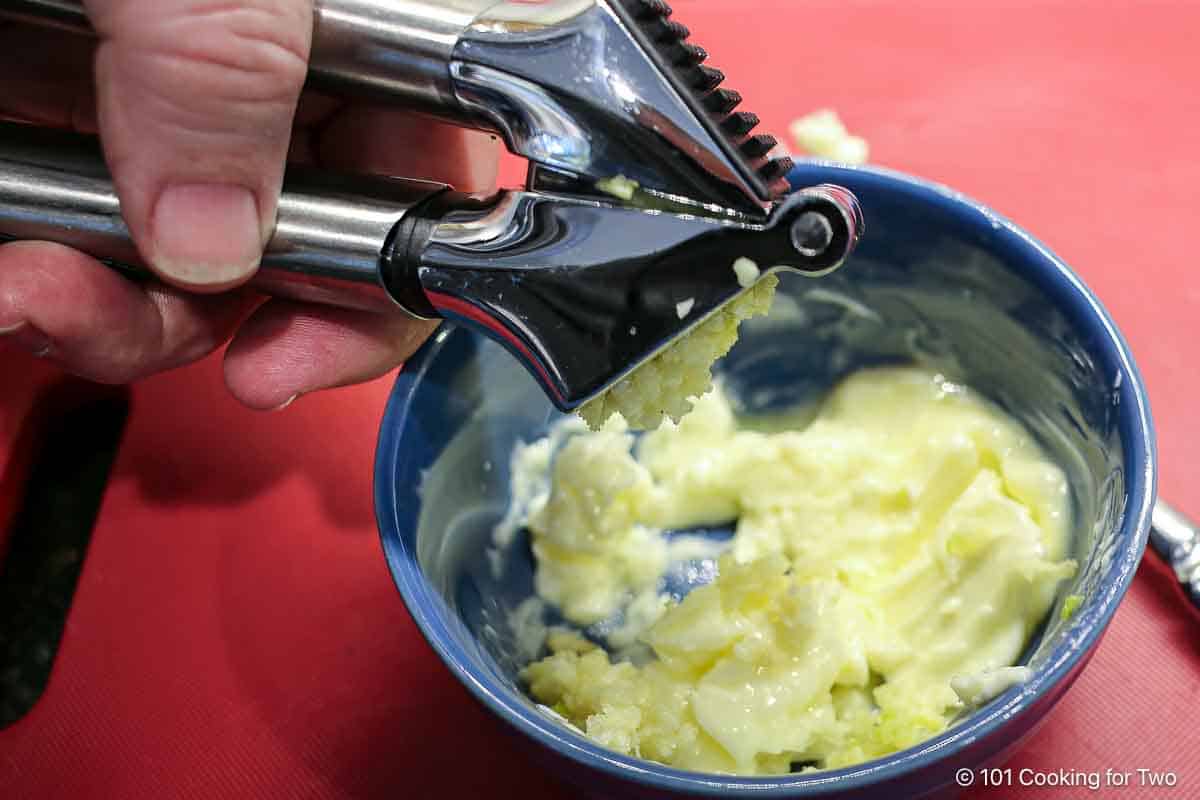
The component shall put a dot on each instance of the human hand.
(198, 105)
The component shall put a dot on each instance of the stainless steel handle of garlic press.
(330, 232)
(391, 50)
(1177, 539)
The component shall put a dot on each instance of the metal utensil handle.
(395, 51)
(1177, 540)
(326, 247)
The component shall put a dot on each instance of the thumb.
(195, 102)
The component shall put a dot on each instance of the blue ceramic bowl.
(937, 279)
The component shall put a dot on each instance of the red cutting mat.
(236, 633)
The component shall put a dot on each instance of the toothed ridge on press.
(699, 84)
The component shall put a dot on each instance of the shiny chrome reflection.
(1177, 540)
(582, 292)
(570, 87)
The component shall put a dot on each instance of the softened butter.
(891, 560)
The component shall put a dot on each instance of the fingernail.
(28, 338)
(285, 403)
(206, 234)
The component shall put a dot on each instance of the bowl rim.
(1089, 622)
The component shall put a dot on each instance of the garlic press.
(645, 183)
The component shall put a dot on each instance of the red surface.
(236, 633)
